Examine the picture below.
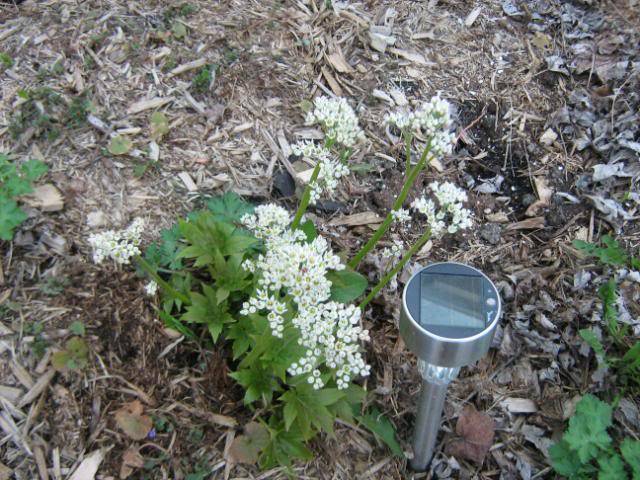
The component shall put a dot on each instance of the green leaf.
(229, 207)
(611, 468)
(10, 217)
(258, 384)
(33, 169)
(382, 428)
(75, 355)
(611, 254)
(346, 285)
(205, 309)
(564, 460)
(240, 333)
(178, 29)
(284, 446)
(158, 125)
(309, 230)
(77, 328)
(630, 450)
(588, 336)
(608, 294)
(587, 433)
(119, 145)
(308, 409)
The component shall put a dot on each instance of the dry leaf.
(5, 472)
(362, 218)
(89, 466)
(152, 103)
(476, 430)
(131, 459)
(45, 197)
(131, 420)
(333, 83)
(246, 448)
(528, 224)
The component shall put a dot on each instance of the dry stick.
(394, 271)
(382, 229)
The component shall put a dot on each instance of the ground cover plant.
(269, 285)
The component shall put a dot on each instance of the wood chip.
(362, 218)
(498, 217)
(21, 374)
(38, 388)
(333, 83)
(338, 62)
(528, 224)
(11, 394)
(188, 181)
(519, 405)
(143, 105)
(414, 57)
(89, 466)
(471, 18)
(185, 67)
(41, 463)
(5, 472)
(45, 197)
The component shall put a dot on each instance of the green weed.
(588, 451)
(15, 181)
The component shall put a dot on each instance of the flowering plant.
(265, 283)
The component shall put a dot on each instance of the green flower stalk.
(395, 270)
(382, 229)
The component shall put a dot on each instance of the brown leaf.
(530, 223)
(131, 459)
(476, 430)
(246, 448)
(45, 197)
(131, 420)
(362, 218)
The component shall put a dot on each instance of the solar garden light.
(448, 318)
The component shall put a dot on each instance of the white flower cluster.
(338, 119)
(268, 221)
(393, 252)
(331, 169)
(449, 214)
(119, 245)
(400, 215)
(293, 274)
(151, 288)
(432, 119)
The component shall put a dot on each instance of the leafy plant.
(624, 355)
(587, 450)
(202, 81)
(119, 145)
(75, 355)
(6, 60)
(14, 182)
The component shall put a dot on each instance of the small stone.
(283, 184)
(329, 206)
(491, 232)
(528, 199)
(548, 137)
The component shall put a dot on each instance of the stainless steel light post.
(449, 315)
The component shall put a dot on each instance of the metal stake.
(435, 381)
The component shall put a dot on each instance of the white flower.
(292, 273)
(393, 252)
(449, 215)
(267, 221)
(338, 120)
(119, 245)
(401, 119)
(331, 169)
(151, 288)
(400, 215)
